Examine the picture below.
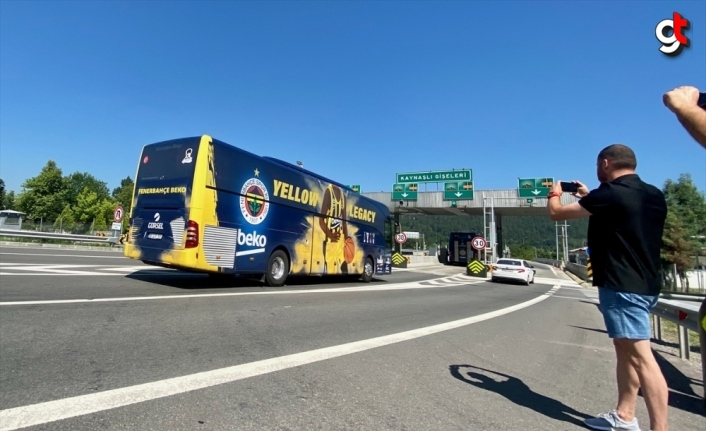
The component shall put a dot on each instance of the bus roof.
(279, 162)
(308, 172)
(299, 169)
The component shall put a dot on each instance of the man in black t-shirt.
(626, 222)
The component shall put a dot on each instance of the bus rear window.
(168, 160)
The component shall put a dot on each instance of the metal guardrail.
(686, 316)
(696, 297)
(61, 236)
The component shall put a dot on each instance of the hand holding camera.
(576, 188)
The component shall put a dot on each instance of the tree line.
(75, 203)
(80, 201)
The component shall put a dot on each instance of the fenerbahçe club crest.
(254, 201)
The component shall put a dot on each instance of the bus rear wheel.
(368, 270)
(277, 268)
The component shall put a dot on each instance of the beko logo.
(251, 239)
(154, 224)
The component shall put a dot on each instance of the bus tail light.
(192, 235)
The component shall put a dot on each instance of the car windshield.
(509, 262)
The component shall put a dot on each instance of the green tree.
(123, 193)
(686, 222)
(9, 200)
(2, 194)
(676, 249)
(78, 181)
(66, 221)
(689, 205)
(522, 251)
(91, 209)
(43, 196)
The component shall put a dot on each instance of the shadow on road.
(602, 331)
(516, 391)
(681, 392)
(196, 281)
(594, 302)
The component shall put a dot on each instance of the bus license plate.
(154, 235)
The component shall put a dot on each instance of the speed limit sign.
(478, 243)
(401, 238)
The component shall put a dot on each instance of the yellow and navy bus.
(202, 205)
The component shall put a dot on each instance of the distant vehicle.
(513, 269)
(459, 251)
(202, 205)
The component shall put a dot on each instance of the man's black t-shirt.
(625, 234)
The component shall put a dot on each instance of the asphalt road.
(90, 340)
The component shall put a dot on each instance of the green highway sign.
(534, 187)
(355, 188)
(530, 200)
(405, 192)
(458, 190)
(435, 176)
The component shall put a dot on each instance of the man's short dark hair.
(620, 156)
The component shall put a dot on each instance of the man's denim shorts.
(626, 315)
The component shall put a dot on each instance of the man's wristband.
(553, 195)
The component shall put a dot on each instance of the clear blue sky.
(356, 90)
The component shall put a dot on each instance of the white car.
(513, 269)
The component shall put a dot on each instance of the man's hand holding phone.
(576, 188)
(684, 98)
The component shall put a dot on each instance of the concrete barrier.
(578, 270)
(552, 262)
(423, 259)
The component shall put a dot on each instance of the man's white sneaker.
(611, 422)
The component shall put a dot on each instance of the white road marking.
(100, 274)
(33, 269)
(51, 411)
(68, 255)
(396, 286)
(570, 297)
(30, 265)
(54, 269)
(560, 281)
(140, 268)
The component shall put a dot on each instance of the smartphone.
(569, 187)
(702, 100)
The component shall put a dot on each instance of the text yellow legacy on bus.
(296, 193)
(362, 214)
(312, 198)
(160, 190)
